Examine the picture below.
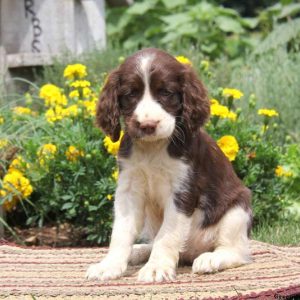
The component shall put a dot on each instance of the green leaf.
(289, 10)
(250, 22)
(203, 11)
(67, 205)
(187, 29)
(153, 31)
(176, 20)
(169, 4)
(170, 37)
(209, 48)
(227, 24)
(140, 8)
(93, 208)
(228, 11)
(67, 197)
(134, 41)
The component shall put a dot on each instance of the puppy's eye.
(165, 93)
(132, 94)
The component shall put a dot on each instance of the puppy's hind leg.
(140, 254)
(231, 248)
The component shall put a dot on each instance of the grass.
(274, 78)
(285, 232)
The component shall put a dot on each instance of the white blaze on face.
(149, 110)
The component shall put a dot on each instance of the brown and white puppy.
(175, 186)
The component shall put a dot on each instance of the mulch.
(58, 273)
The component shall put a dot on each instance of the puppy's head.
(155, 94)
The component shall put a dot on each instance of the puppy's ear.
(196, 108)
(108, 111)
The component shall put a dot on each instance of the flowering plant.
(61, 171)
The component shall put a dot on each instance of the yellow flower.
(73, 153)
(115, 175)
(234, 93)
(232, 116)
(268, 112)
(216, 109)
(20, 110)
(46, 152)
(3, 143)
(75, 71)
(90, 107)
(229, 145)
(184, 60)
(109, 197)
(86, 92)
(80, 84)
(18, 164)
(14, 182)
(54, 114)
(71, 111)
(52, 95)
(58, 113)
(1, 120)
(219, 110)
(112, 147)
(74, 94)
(214, 101)
(281, 172)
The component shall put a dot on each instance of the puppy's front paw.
(152, 272)
(105, 270)
(210, 262)
(206, 263)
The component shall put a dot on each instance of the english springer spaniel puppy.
(175, 186)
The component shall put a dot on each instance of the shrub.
(211, 28)
(60, 154)
(57, 167)
(214, 29)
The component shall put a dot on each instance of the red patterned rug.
(37, 273)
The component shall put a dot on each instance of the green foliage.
(285, 34)
(211, 28)
(73, 187)
(258, 157)
(292, 162)
(274, 78)
(215, 30)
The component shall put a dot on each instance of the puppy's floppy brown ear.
(196, 108)
(108, 111)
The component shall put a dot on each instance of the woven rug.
(39, 273)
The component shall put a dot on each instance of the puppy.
(175, 186)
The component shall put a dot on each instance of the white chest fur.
(158, 175)
(154, 178)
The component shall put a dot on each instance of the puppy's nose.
(148, 127)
